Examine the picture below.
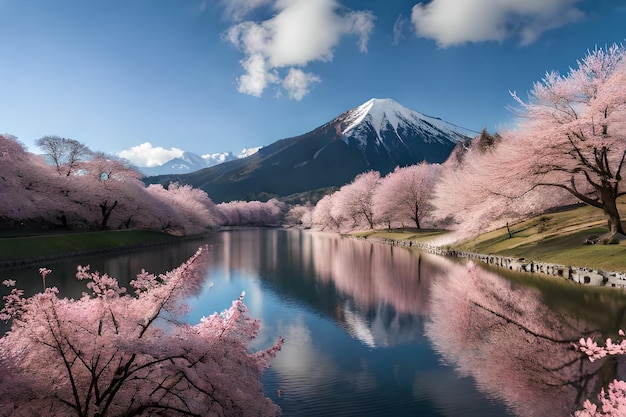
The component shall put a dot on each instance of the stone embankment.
(577, 274)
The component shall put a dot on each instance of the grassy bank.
(24, 248)
(554, 237)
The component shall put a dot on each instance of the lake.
(376, 330)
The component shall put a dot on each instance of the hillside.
(560, 237)
(566, 237)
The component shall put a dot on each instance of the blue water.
(355, 317)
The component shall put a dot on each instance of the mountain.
(389, 134)
(191, 162)
(377, 135)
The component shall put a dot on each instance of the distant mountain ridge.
(190, 162)
(377, 135)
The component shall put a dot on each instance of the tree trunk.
(106, 212)
(416, 217)
(614, 223)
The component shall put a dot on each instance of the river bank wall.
(581, 275)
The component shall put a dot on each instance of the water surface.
(377, 330)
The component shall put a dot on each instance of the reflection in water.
(383, 285)
(515, 348)
(373, 274)
(123, 266)
(352, 314)
(372, 329)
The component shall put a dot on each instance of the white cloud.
(257, 76)
(301, 32)
(398, 29)
(453, 22)
(298, 83)
(145, 155)
(360, 24)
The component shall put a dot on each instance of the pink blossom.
(111, 353)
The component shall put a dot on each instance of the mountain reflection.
(378, 293)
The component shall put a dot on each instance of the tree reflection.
(515, 348)
(500, 335)
(374, 274)
(387, 288)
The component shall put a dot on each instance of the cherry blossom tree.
(322, 217)
(14, 162)
(31, 191)
(404, 195)
(471, 196)
(252, 213)
(114, 354)
(299, 216)
(353, 202)
(194, 211)
(112, 175)
(573, 134)
(464, 195)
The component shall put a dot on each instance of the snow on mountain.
(217, 158)
(245, 152)
(190, 162)
(386, 115)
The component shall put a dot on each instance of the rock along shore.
(581, 275)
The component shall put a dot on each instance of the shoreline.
(581, 275)
(29, 261)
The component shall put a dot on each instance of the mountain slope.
(378, 135)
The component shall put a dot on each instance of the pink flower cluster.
(612, 401)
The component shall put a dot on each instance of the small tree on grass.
(113, 354)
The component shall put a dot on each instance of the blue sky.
(222, 75)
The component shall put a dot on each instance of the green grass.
(46, 246)
(556, 237)
(416, 235)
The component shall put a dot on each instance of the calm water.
(375, 330)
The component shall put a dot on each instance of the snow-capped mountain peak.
(383, 115)
(376, 111)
